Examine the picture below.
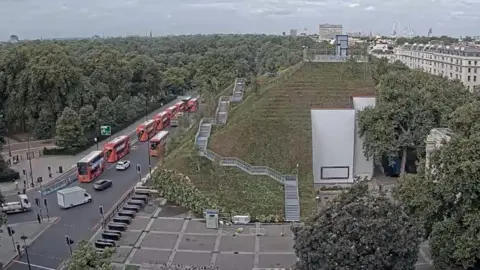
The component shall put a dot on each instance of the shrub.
(8, 175)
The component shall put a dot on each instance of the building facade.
(462, 63)
(329, 31)
(293, 32)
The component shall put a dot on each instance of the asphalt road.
(49, 249)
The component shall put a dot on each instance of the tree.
(121, 115)
(69, 133)
(3, 128)
(45, 125)
(86, 257)
(88, 118)
(106, 112)
(357, 230)
(445, 195)
(3, 217)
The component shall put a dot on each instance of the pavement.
(8, 250)
(166, 234)
(81, 222)
(41, 163)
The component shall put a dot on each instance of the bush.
(8, 175)
(179, 189)
(90, 139)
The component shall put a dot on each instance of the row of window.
(443, 58)
(458, 69)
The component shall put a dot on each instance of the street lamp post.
(25, 247)
(29, 157)
(96, 141)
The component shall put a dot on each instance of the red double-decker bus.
(181, 106)
(146, 130)
(157, 144)
(192, 105)
(172, 111)
(162, 120)
(90, 166)
(117, 148)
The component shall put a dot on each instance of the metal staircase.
(290, 182)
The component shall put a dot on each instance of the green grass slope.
(271, 128)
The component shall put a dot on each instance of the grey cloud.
(57, 18)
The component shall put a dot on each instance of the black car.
(102, 184)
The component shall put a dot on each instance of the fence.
(70, 177)
(117, 208)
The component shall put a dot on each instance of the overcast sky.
(32, 19)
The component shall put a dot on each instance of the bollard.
(50, 175)
(16, 185)
(39, 219)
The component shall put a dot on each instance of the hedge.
(8, 175)
(179, 189)
(90, 139)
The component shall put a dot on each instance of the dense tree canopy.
(425, 40)
(445, 196)
(357, 230)
(409, 103)
(38, 79)
(86, 257)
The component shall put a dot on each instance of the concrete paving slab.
(276, 244)
(235, 261)
(158, 240)
(276, 230)
(129, 238)
(147, 211)
(229, 230)
(150, 256)
(197, 242)
(190, 258)
(167, 225)
(237, 243)
(139, 223)
(121, 254)
(196, 226)
(276, 261)
(173, 211)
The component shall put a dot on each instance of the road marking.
(35, 265)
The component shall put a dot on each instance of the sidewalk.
(40, 163)
(32, 230)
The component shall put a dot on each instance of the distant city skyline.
(32, 19)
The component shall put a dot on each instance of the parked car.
(122, 165)
(102, 184)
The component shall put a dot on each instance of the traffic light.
(39, 179)
(68, 240)
(37, 202)
(101, 210)
(45, 202)
(138, 168)
(10, 231)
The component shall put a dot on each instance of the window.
(474, 78)
(469, 62)
(468, 78)
(456, 76)
(469, 70)
(475, 70)
(450, 75)
(475, 63)
(82, 168)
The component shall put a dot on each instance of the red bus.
(181, 106)
(157, 144)
(162, 120)
(146, 130)
(192, 105)
(90, 166)
(117, 148)
(172, 111)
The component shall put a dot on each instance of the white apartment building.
(462, 63)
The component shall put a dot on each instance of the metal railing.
(71, 177)
(292, 202)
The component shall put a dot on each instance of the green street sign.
(106, 130)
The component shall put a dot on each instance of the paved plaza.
(169, 235)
